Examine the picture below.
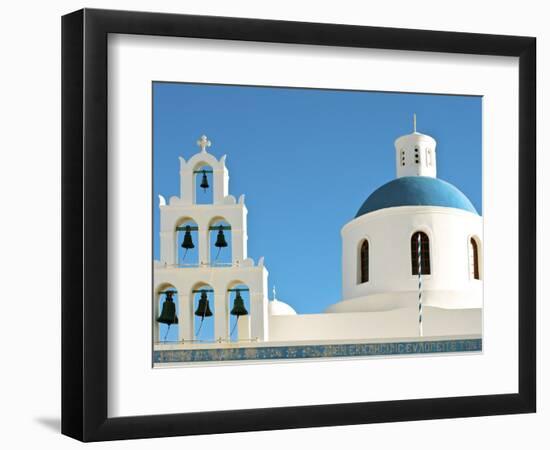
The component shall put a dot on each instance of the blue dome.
(415, 191)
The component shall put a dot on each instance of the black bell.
(204, 182)
(203, 309)
(220, 240)
(187, 239)
(238, 306)
(168, 313)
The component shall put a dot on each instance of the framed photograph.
(273, 224)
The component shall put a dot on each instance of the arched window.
(364, 262)
(187, 241)
(166, 311)
(203, 310)
(238, 298)
(204, 184)
(424, 253)
(474, 259)
(221, 248)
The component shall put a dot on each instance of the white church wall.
(389, 234)
(456, 299)
(400, 323)
(243, 329)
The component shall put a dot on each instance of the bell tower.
(223, 207)
(415, 155)
(206, 230)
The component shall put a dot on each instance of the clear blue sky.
(306, 160)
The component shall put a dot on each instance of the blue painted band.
(317, 351)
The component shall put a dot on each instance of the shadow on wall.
(52, 423)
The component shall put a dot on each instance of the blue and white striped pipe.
(420, 331)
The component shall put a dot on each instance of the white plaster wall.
(389, 232)
(400, 323)
(243, 328)
(448, 299)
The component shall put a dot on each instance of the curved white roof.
(277, 308)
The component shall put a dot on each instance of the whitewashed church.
(411, 262)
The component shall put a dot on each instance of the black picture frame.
(84, 224)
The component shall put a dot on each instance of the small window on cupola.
(416, 156)
(402, 157)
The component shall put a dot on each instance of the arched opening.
(363, 274)
(474, 259)
(429, 157)
(420, 240)
(187, 241)
(203, 184)
(238, 301)
(203, 307)
(220, 240)
(166, 314)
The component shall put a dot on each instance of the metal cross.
(203, 142)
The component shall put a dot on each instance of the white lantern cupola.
(415, 155)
